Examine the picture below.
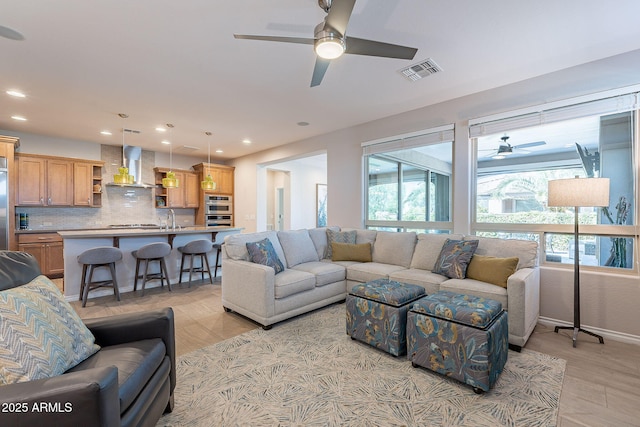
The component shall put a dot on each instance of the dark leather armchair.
(128, 382)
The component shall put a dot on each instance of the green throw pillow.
(351, 252)
(42, 336)
(491, 269)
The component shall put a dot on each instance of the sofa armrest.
(132, 327)
(523, 293)
(87, 398)
(248, 288)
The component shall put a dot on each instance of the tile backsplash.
(120, 205)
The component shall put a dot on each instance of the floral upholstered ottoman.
(461, 336)
(377, 313)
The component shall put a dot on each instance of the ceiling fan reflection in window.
(330, 39)
(505, 149)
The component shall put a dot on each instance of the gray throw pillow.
(339, 237)
(454, 258)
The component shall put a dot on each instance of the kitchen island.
(128, 240)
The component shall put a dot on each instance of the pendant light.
(170, 181)
(123, 177)
(207, 184)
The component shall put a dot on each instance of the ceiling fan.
(330, 40)
(506, 149)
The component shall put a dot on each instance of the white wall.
(609, 301)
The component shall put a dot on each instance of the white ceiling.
(83, 62)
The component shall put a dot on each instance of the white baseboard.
(605, 333)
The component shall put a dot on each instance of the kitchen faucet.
(171, 216)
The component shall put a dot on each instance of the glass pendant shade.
(207, 184)
(170, 181)
(123, 177)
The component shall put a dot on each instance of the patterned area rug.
(307, 372)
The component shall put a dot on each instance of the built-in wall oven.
(219, 210)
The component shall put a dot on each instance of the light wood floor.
(601, 384)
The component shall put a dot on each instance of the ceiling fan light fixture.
(329, 46)
(505, 150)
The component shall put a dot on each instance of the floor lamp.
(578, 192)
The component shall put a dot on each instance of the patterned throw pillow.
(454, 258)
(263, 252)
(42, 336)
(339, 237)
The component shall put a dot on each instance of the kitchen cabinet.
(184, 196)
(87, 184)
(47, 181)
(222, 175)
(47, 248)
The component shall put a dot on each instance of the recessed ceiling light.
(161, 129)
(16, 93)
(246, 141)
(19, 118)
(165, 142)
(105, 132)
(219, 151)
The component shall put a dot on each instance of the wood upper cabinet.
(222, 175)
(185, 196)
(57, 181)
(44, 181)
(191, 190)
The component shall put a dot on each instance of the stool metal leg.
(182, 267)
(163, 267)
(83, 281)
(135, 281)
(206, 261)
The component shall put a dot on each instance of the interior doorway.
(279, 204)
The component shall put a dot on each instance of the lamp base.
(575, 333)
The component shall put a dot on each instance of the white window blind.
(411, 140)
(614, 104)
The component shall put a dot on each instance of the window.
(408, 181)
(518, 156)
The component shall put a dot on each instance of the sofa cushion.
(525, 250)
(292, 281)
(477, 288)
(320, 240)
(136, 362)
(339, 237)
(491, 269)
(428, 248)
(262, 252)
(297, 246)
(41, 334)
(416, 276)
(455, 257)
(235, 245)
(325, 272)
(351, 252)
(368, 271)
(394, 248)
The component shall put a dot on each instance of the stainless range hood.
(133, 161)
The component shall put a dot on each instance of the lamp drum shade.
(577, 192)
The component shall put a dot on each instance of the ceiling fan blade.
(339, 14)
(358, 46)
(319, 70)
(298, 40)
(530, 144)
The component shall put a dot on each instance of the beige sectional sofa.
(310, 280)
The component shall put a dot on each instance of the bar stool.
(218, 248)
(147, 254)
(102, 256)
(198, 248)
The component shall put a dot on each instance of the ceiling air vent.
(421, 69)
(187, 148)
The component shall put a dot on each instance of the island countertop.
(135, 232)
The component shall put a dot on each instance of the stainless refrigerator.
(4, 204)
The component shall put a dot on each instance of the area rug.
(308, 372)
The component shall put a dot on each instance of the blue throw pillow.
(262, 252)
(455, 257)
